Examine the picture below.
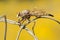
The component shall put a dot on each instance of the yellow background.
(45, 29)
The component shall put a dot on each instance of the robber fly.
(26, 14)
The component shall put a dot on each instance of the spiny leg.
(21, 28)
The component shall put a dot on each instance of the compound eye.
(25, 12)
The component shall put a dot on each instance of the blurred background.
(45, 29)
